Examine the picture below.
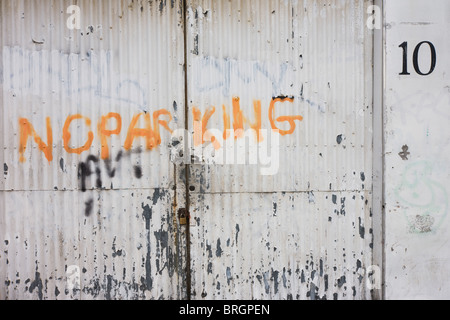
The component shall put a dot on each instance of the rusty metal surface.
(303, 231)
(95, 223)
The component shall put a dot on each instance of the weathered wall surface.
(416, 150)
(304, 68)
(88, 194)
(93, 161)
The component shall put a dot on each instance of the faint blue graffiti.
(226, 76)
(426, 198)
(39, 72)
(223, 72)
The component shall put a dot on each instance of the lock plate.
(183, 216)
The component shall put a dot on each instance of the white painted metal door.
(91, 91)
(286, 214)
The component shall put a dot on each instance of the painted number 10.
(404, 45)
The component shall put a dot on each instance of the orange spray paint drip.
(27, 130)
(200, 124)
(239, 119)
(105, 134)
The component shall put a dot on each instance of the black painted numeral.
(404, 46)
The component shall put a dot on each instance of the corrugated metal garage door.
(280, 208)
(294, 222)
(89, 215)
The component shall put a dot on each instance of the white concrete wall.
(417, 153)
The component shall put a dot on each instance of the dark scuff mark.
(112, 288)
(57, 292)
(339, 139)
(108, 287)
(218, 285)
(354, 291)
(5, 169)
(312, 293)
(404, 153)
(275, 280)
(209, 269)
(360, 278)
(209, 250)
(61, 164)
(363, 177)
(302, 277)
(321, 267)
(341, 281)
(158, 194)
(283, 278)
(163, 249)
(89, 206)
(343, 206)
(274, 209)
(93, 289)
(335, 296)
(37, 284)
(311, 197)
(229, 278)
(147, 214)
(266, 282)
(334, 198)
(195, 51)
(37, 41)
(137, 172)
(358, 265)
(115, 253)
(362, 230)
(237, 232)
(325, 279)
(219, 250)
(162, 4)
